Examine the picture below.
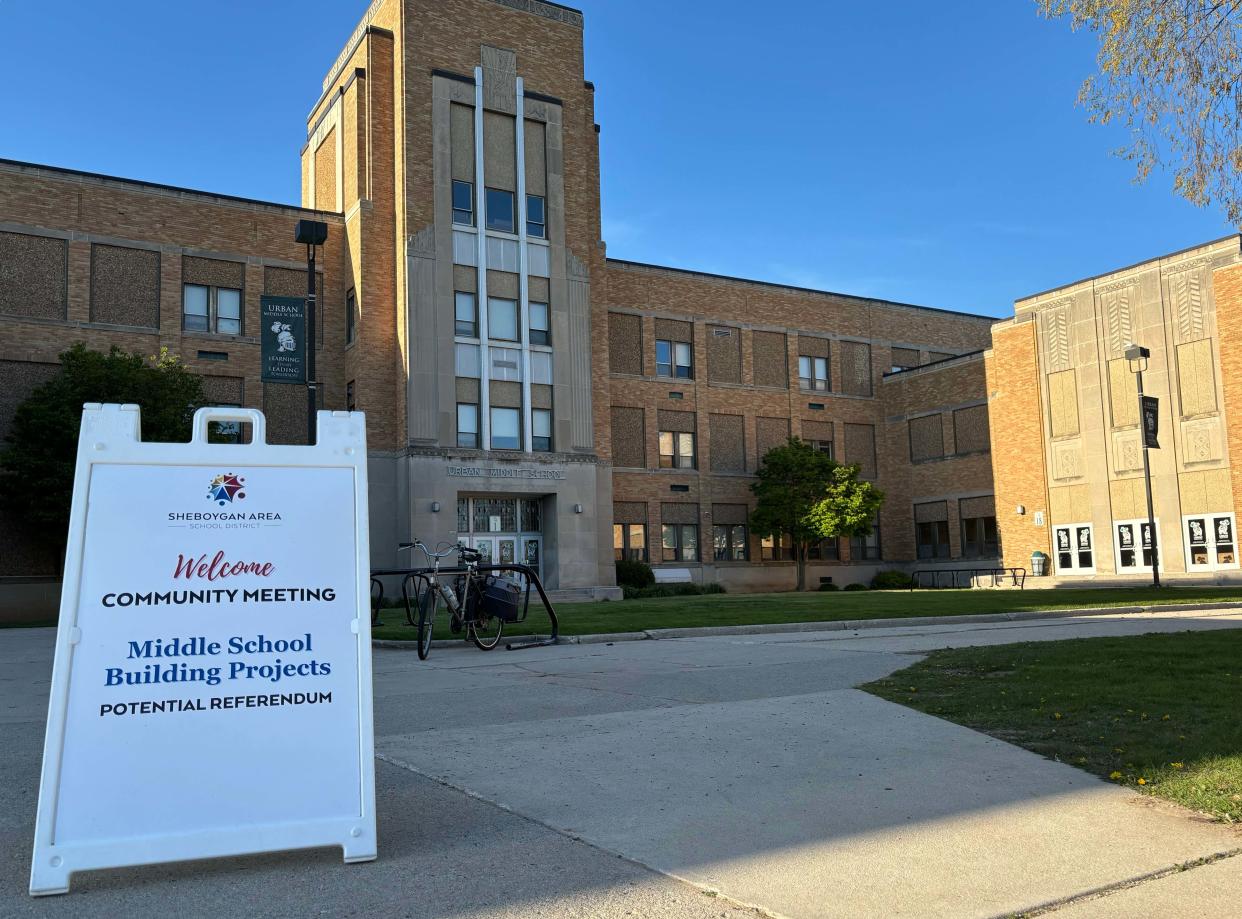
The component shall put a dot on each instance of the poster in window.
(1063, 540)
(1084, 538)
(1224, 529)
(1146, 535)
(1125, 535)
(1198, 532)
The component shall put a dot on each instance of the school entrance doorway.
(505, 530)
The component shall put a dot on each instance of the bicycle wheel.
(484, 629)
(426, 618)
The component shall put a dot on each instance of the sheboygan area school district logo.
(225, 488)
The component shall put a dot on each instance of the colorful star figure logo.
(225, 487)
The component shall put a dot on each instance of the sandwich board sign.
(211, 693)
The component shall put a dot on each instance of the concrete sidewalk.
(592, 780)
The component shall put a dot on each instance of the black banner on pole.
(1151, 422)
(283, 335)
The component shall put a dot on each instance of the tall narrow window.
(351, 398)
(351, 316)
(536, 217)
(196, 312)
(541, 367)
(813, 372)
(540, 328)
(674, 359)
(465, 315)
(541, 430)
(866, 548)
(463, 203)
(506, 429)
(676, 450)
(467, 424)
(500, 210)
(502, 319)
(228, 311)
(466, 360)
(980, 538)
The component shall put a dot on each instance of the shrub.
(891, 580)
(857, 586)
(670, 590)
(828, 585)
(632, 573)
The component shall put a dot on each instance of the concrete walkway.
(595, 780)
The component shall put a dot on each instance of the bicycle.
(469, 613)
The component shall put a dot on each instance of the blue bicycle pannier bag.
(502, 599)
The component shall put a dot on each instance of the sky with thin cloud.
(922, 152)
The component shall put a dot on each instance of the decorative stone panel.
(971, 432)
(629, 439)
(505, 394)
(1202, 441)
(905, 357)
(1127, 451)
(540, 396)
(856, 368)
(1205, 492)
(1186, 288)
(1063, 403)
(629, 512)
(812, 346)
(18, 379)
(982, 506)
(675, 421)
(771, 359)
(1069, 504)
(1115, 305)
(679, 512)
(1196, 377)
(625, 343)
(125, 286)
(860, 448)
(224, 390)
(1128, 498)
(33, 276)
(770, 433)
(726, 443)
(214, 272)
(724, 354)
(1055, 322)
(926, 438)
(284, 406)
(1123, 393)
(467, 390)
(1067, 462)
(674, 330)
(931, 512)
(818, 430)
(729, 513)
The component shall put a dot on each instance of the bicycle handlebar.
(463, 550)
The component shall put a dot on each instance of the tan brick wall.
(1227, 284)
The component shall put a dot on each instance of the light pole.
(313, 233)
(1138, 356)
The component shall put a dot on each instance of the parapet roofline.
(1146, 261)
(64, 172)
(809, 290)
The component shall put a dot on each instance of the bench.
(672, 575)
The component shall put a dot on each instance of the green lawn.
(750, 609)
(1156, 712)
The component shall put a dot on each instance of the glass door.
(1133, 545)
(1075, 548)
(1209, 542)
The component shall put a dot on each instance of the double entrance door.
(505, 530)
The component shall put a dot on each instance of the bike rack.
(1017, 576)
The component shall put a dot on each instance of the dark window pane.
(463, 203)
(500, 210)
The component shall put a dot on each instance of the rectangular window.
(463, 203)
(772, 549)
(729, 543)
(195, 310)
(351, 316)
(676, 450)
(674, 359)
(466, 360)
(351, 399)
(629, 541)
(536, 217)
(228, 311)
(933, 539)
(980, 538)
(541, 430)
(502, 319)
(211, 309)
(506, 429)
(540, 327)
(680, 542)
(823, 446)
(500, 210)
(866, 548)
(541, 367)
(506, 364)
(813, 372)
(826, 550)
(467, 425)
(465, 315)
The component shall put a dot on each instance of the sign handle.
(251, 416)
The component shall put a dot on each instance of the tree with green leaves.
(804, 494)
(1170, 73)
(36, 465)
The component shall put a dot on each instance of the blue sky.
(930, 153)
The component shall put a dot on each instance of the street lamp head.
(1137, 353)
(311, 232)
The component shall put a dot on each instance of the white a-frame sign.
(212, 687)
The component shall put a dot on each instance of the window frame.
(869, 548)
(678, 549)
(731, 548)
(627, 550)
(351, 396)
(351, 316)
(678, 458)
(517, 414)
(540, 443)
(940, 531)
(674, 369)
(539, 335)
(471, 325)
(543, 212)
(491, 227)
(475, 434)
(212, 316)
(507, 304)
(983, 543)
(812, 381)
(471, 212)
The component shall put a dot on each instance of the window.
(502, 319)
(463, 203)
(500, 210)
(506, 364)
(467, 424)
(826, 550)
(729, 542)
(674, 359)
(676, 450)
(866, 548)
(541, 367)
(465, 315)
(506, 429)
(980, 538)
(351, 399)
(933, 539)
(1075, 553)
(541, 430)
(813, 372)
(823, 446)
(629, 541)
(351, 316)
(536, 217)
(211, 309)
(680, 542)
(540, 328)
(772, 549)
(466, 360)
